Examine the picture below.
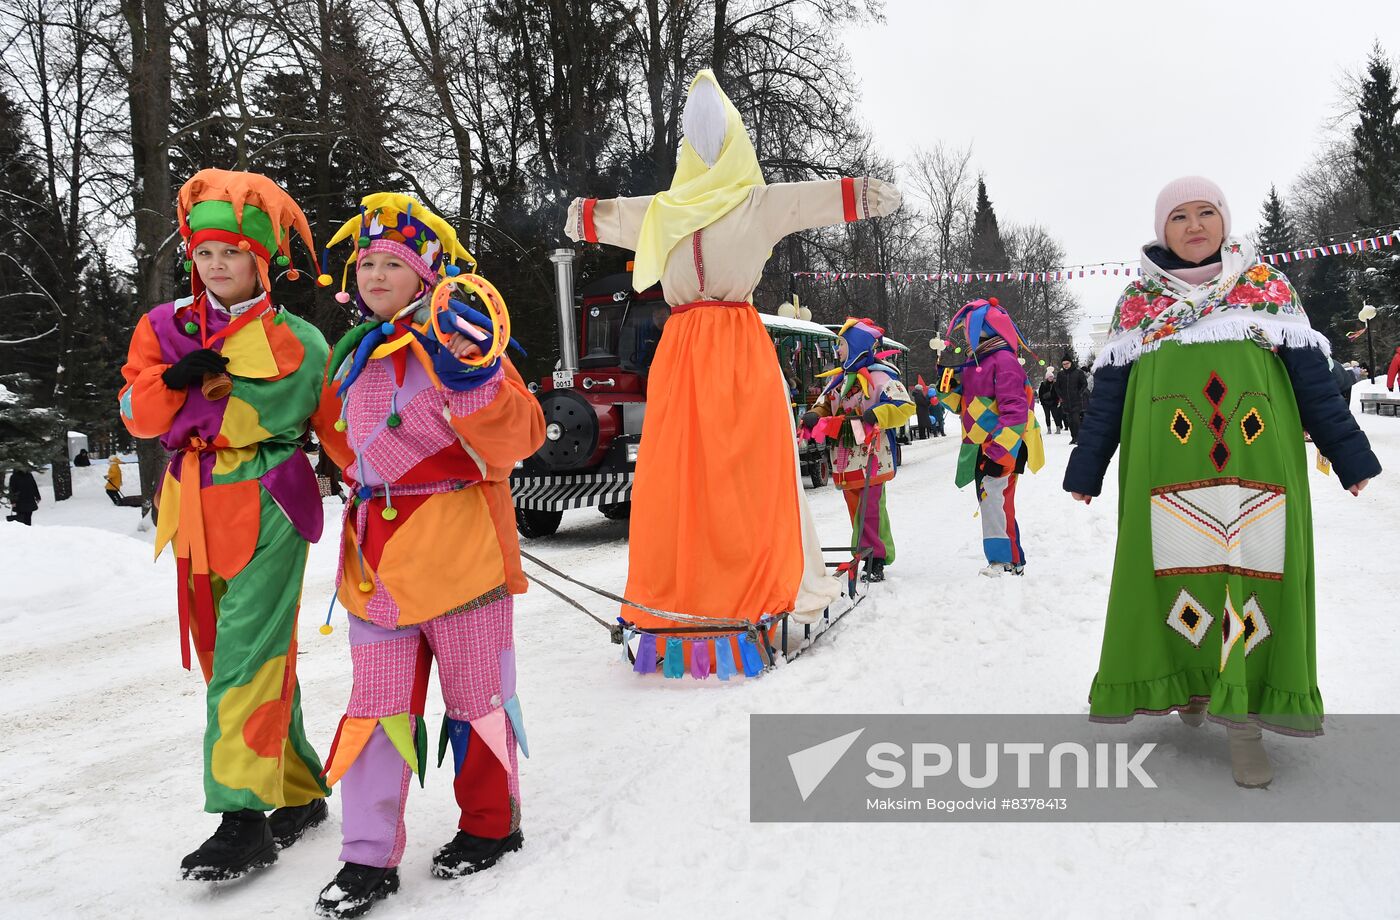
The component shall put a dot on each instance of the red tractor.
(593, 403)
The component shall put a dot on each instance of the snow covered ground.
(636, 796)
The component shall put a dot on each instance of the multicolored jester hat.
(246, 210)
(399, 225)
(862, 340)
(983, 333)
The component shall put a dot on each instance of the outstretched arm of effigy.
(615, 221)
(792, 206)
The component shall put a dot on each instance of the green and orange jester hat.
(397, 224)
(247, 210)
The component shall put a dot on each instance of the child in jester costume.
(427, 418)
(861, 409)
(1209, 380)
(227, 382)
(986, 384)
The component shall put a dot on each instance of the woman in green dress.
(1209, 380)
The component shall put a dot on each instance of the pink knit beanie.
(1188, 188)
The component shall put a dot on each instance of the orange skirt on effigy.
(715, 529)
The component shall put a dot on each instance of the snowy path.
(636, 797)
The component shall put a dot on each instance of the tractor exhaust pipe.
(563, 260)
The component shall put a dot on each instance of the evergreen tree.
(98, 351)
(347, 102)
(200, 94)
(29, 433)
(1377, 164)
(1377, 136)
(1277, 233)
(29, 233)
(989, 250)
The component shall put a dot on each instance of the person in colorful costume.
(986, 384)
(227, 381)
(427, 422)
(861, 409)
(1210, 377)
(718, 417)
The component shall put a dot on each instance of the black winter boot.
(290, 822)
(874, 569)
(466, 854)
(355, 889)
(242, 843)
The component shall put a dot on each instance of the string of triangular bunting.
(1101, 269)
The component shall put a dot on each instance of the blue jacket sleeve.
(1327, 418)
(1100, 432)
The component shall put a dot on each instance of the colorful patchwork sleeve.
(1009, 389)
(892, 406)
(323, 422)
(148, 406)
(500, 421)
(615, 221)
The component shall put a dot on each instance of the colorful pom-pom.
(1042, 362)
(993, 301)
(342, 296)
(365, 493)
(363, 241)
(244, 245)
(324, 280)
(453, 271)
(409, 232)
(284, 261)
(393, 421)
(340, 424)
(326, 629)
(293, 274)
(386, 328)
(389, 514)
(191, 327)
(958, 350)
(366, 586)
(189, 266)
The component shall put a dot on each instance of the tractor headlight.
(632, 453)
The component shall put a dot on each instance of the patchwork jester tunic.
(429, 563)
(851, 461)
(1213, 582)
(1001, 438)
(239, 503)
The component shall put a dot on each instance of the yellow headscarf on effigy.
(699, 195)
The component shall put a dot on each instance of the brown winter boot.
(1248, 760)
(1194, 713)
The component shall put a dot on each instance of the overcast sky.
(1078, 113)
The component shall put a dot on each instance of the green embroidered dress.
(1213, 584)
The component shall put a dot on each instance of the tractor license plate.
(563, 380)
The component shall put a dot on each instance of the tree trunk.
(720, 48)
(148, 97)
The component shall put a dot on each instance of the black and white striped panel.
(562, 493)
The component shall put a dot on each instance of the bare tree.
(942, 184)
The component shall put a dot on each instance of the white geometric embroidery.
(1190, 618)
(1256, 625)
(1224, 525)
(1231, 628)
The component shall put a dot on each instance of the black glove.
(868, 419)
(810, 419)
(192, 368)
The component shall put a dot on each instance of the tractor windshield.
(624, 334)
